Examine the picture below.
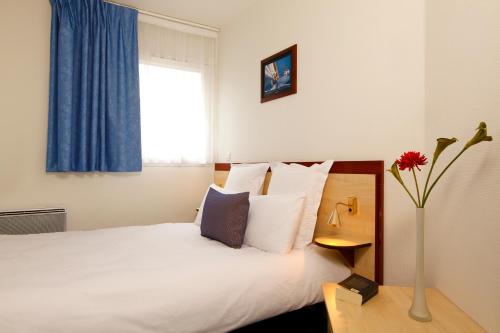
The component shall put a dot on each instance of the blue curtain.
(94, 120)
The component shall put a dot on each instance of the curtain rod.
(165, 17)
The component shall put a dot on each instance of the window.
(176, 74)
(174, 122)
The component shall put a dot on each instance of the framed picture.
(278, 75)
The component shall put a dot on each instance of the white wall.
(93, 200)
(360, 94)
(463, 215)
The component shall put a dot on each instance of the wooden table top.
(341, 242)
(388, 312)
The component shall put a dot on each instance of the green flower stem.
(416, 185)
(407, 191)
(427, 181)
(426, 195)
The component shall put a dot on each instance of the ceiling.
(209, 12)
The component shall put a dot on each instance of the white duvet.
(161, 278)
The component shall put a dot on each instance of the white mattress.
(161, 278)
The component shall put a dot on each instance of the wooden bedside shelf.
(346, 246)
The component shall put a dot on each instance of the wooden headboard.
(361, 179)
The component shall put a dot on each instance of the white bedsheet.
(161, 278)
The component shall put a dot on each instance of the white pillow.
(273, 221)
(247, 178)
(197, 220)
(296, 178)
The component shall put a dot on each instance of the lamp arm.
(351, 205)
(344, 204)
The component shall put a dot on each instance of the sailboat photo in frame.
(278, 75)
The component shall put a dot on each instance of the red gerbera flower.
(410, 160)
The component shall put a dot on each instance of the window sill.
(176, 165)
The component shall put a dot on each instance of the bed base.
(309, 319)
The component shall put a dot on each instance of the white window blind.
(177, 90)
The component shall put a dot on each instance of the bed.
(159, 278)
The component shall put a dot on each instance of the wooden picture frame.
(278, 75)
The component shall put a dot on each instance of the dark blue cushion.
(225, 217)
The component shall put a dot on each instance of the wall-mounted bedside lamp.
(352, 205)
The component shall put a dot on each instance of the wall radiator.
(32, 221)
